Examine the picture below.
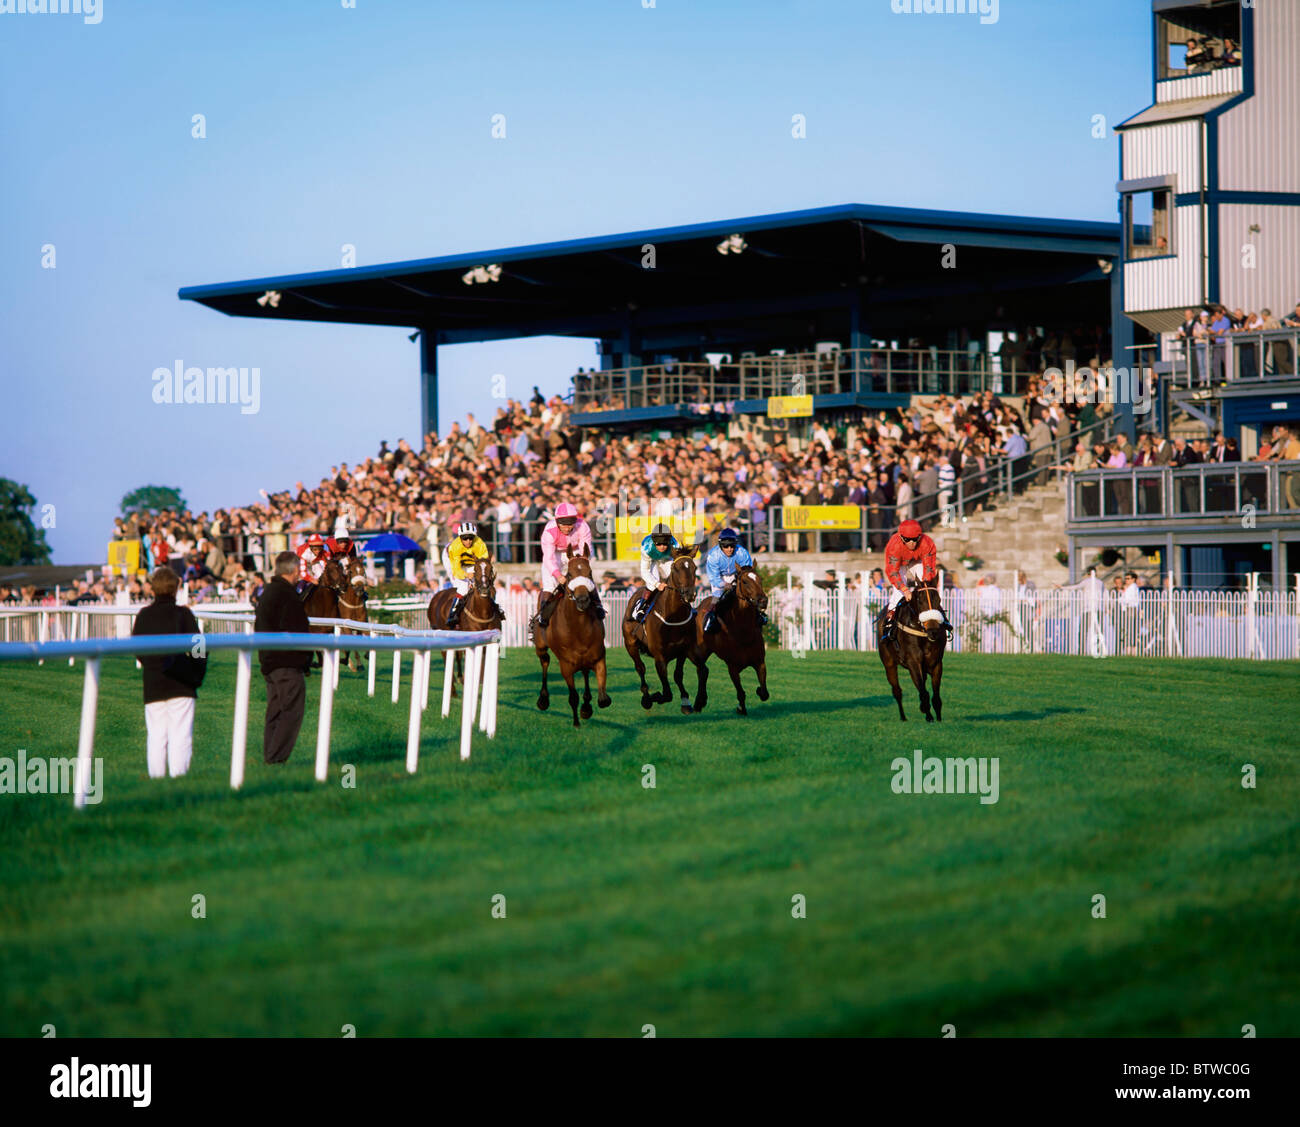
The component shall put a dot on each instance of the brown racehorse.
(577, 636)
(480, 611)
(668, 632)
(352, 599)
(738, 639)
(922, 634)
(322, 600)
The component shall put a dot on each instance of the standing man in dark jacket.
(280, 611)
(171, 681)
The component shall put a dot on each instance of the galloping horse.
(352, 599)
(668, 632)
(480, 611)
(922, 636)
(738, 640)
(577, 635)
(322, 600)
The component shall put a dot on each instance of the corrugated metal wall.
(1274, 282)
(1225, 80)
(1166, 283)
(1259, 140)
(1161, 150)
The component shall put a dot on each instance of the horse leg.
(544, 697)
(665, 694)
(701, 683)
(630, 645)
(586, 694)
(681, 688)
(891, 672)
(566, 671)
(740, 689)
(602, 697)
(918, 679)
(761, 670)
(936, 675)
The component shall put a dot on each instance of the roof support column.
(1122, 355)
(859, 340)
(428, 383)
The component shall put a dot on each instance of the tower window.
(1148, 232)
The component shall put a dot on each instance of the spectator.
(280, 611)
(171, 681)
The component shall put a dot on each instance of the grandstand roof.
(792, 262)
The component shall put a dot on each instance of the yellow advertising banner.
(789, 406)
(811, 518)
(124, 557)
(630, 531)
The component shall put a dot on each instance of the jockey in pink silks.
(567, 530)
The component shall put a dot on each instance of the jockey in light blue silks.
(656, 567)
(720, 565)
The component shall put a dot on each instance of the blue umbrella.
(391, 542)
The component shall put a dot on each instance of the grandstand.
(766, 337)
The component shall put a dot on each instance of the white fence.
(229, 629)
(1225, 624)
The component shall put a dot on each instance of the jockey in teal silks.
(656, 567)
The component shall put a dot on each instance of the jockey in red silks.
(313, 555)
(910, 554)
(566, 530)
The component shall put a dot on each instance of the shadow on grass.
(1041, 714)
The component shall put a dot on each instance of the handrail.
(1148, 492)
(482, 658)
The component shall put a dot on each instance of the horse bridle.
(687, 596)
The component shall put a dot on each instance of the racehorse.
(738, 640)
(577, 635)
(322, 600)
(668, 632)
(480, 611)
(922, 633)
(352, 599)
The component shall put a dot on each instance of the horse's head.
(333, 576)
(682, 577)
(578, 579)
(749, 588)
(929, 611)
(484, 579)
(354, 571)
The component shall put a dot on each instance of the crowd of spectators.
(1206, 338)
(507, 477)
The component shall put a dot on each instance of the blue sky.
(372, 126)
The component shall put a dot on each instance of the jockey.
(910, 553)
(313, 555)
(720, 565)
(340, 545)
(567, 530)
(464, 550)
(656, 565)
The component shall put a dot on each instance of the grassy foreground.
(372, 906)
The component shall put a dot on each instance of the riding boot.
(711, 621)
(453, 614)
(546, 609)
(597, 606)
(643, 606)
